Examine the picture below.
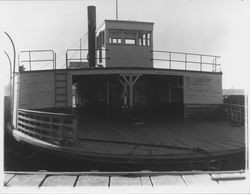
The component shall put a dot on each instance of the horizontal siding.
(37, 89)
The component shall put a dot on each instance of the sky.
(216, 27)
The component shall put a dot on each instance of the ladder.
(60, 88)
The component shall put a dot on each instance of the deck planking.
(198, 179)
(92, 180)
(210, 136)
(98, 179)
(26, 180)
(63, 180)
(170, 180)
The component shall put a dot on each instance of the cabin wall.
(129, 56)
(202, 96)
(37, 90)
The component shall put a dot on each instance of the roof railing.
(186, 60)
(50, 59)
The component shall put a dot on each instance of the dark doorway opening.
(154, 97)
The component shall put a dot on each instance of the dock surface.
(79, 180)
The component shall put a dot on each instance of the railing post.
(66, 59)
(169, 60)
(215, 64)
(30, 60)
(54, 61)
(200, 62)
(185, 61)
(80, 49)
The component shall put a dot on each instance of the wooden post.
(131, 100)
(75, 131)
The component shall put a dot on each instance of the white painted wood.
(125, 181)
(199, 179)
(8, 177)
(167, 180)
(26, 180)
(92, 180)
(61, 181)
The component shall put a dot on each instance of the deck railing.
(57, 128)
(79, 55)
(235, 113)
(186, 61)
(44, 59)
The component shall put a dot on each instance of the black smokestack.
(91, 35)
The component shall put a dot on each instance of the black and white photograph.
(124, 96)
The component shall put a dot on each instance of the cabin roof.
(128, 22)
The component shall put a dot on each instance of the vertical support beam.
(131, 95)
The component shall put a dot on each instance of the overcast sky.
(216, 27)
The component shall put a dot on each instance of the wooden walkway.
(78, 180)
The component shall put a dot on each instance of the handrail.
(80, 58)
(186, 61)
(235, 113)
(198, 54)
(30, 60)
(44, 112)
(51, 127)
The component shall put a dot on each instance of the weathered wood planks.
(57, 180)
(26, 180)
(78, 180)
(92, 180)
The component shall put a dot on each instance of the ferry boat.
(122, 101)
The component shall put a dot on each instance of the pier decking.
(214, 181)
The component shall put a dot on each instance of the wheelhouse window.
(130, 37)
(115, 36)
(144, 38)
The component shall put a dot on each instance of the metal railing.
(202, 62)
(235, 113)
(50, 60)
(175, 60)
(56, 128)
(79, 55)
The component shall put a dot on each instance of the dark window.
(115, 36)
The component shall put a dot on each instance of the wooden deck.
(150, 142)
(140, 180)
(171, 139)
